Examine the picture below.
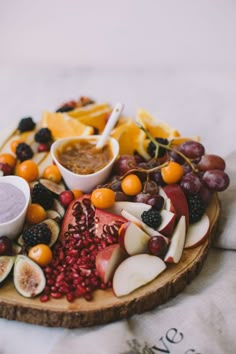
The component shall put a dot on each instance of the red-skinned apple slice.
(133, 239)
(168, 205)
(197, 232)
(135, 209)
(107, 260)
(167, 224)
(176, 247)
(151, 232)
(136, 271)
(179, 201)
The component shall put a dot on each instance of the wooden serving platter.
(105, 307)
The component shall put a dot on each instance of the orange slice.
(62, 125)
(94, 115)
(130, 137)
(155, 127)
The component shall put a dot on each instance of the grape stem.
(167, 147)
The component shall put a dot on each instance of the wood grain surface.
(105, 307)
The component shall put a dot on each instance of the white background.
(176, 59)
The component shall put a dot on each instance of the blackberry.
(43, 196)
(43, 135)
(26, 124)
(39, 233)
(196, 208)
(65, 108)
(152, 148)
(24, 152)
(151, 218)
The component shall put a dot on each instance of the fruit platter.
(127, 245)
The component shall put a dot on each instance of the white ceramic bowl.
(13, 227)
(86, 183)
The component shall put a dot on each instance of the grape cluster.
(203, 174)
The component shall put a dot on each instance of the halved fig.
(55, 188)
(54, 215)
(57, 206)
(55, 230)
(6, 264)
(28, 276)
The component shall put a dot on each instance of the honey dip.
(82, 157)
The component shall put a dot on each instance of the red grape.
(190, 183)
(192, 149)
(5, 245)
(124, 164)
(157, 245)
(216, 180)
(211, 162)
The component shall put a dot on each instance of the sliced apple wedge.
(179, 201)
(107, 260)
(197, 232)
(176, 247)
(135, 209)
(167, 224)
(168, 205)
(133, 239)
(136, 271)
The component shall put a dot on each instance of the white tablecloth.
(175, 59)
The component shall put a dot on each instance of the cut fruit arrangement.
(129, 230)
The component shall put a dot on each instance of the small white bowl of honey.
(82, 165)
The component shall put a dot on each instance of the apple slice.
(197, 232)
(179, 201)
(167, 224)
(133, 239)
(107, 260)
(136, 271)
(133, 208)
(176, 247)
(168, 205)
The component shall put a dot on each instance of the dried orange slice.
(154, 126)
(62, 125)
(130, 137)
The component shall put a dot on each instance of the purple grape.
(5, 245)
(216, 180)
(156, 176)
(124, 164)
(156, 201)
(192, 149)
(141, 197)
(151, 187)
(205, 194)
(190, 183)
(120, 196)
(211, 162)
(176, 157)
(157, 246)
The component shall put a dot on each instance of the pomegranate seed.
(56, 295)
(44, 298)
